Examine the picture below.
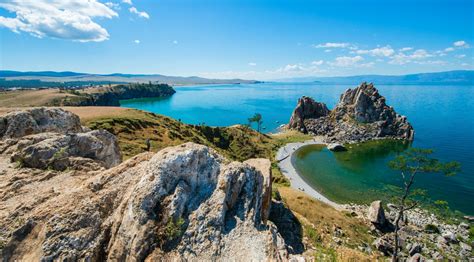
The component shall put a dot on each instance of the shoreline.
(283, 157)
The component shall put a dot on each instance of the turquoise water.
(441, 115)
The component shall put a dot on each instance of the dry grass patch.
(321, 225)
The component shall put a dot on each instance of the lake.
(442, 117)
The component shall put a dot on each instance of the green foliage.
(416, 160)
(257, 118)
(432, 229)
(174, 229)
(471, 234)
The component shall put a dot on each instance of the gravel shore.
(283, 157)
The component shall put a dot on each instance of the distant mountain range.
(459, 77)
(50, 78)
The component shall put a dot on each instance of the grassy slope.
(239, 143)
(133, 127)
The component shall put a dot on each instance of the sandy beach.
(284, 162)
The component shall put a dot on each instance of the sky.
(250, 39)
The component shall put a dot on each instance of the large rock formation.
(360, 115)
(307, 108)
(54, 138)
(38, 120)
(182, 203)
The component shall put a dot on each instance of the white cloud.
(402, 58)
(327, 50)
(385, 51)
(449, 49)
(72, 19)
(404, 49)
(461, 56)
(252, 64)
(332, 45)
(317, 62)
(114, 6)
(461, 43)
(346, 61)
(127, 2)
(175, 42)
(137, 41)
(134, 10)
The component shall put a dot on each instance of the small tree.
(257, 118)
(411, 163)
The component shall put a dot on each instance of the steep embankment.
(96, 96)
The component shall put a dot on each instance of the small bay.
(442, 117)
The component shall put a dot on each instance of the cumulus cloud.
(252, 64)
(72, 19)
(346, 61)
(332, 45)
(404, 49)
(461, 43)
(137, 41)
(317, 62)
(127, 2)
(449, 49)
(461, 56)
(385, 51)
(416, 56)
(142, 14)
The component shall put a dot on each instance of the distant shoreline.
(285, 164)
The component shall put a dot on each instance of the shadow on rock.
(288, 226)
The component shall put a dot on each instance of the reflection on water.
(357, 155)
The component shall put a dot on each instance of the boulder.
(383, 246)
(414, 249)
(53, 150)
(336, 147)
(416, 258)
(360, 115)
(183, 203)
(306, 108)
(450, 237)
(376, 214)
(38, 120)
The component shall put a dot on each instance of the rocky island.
(360, 115)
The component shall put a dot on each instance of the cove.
(441, 116)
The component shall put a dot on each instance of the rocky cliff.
(111, 96)
(360, 115)
(183, 203)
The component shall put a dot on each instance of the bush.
(432, 229)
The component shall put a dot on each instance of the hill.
(9, 79)
(459, 77)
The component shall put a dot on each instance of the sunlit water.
(441, 115)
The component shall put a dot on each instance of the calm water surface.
(441, 115)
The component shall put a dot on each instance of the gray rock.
(415, 248)
(450, 237)
(306, 108)
(416, 258)
(38, 120)
(383, 246)
(336, 147)
(376, 214)
(53, 150)
(360, 115)
(465, 246)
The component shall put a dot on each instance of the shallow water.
(441, 115)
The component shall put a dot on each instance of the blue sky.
(258, 39)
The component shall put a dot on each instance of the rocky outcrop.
(376, 214)
(38, 120)
(360, 115)
(182, 203)
(336, 147)
(54, 138)
(306, 108)
(111, 96)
